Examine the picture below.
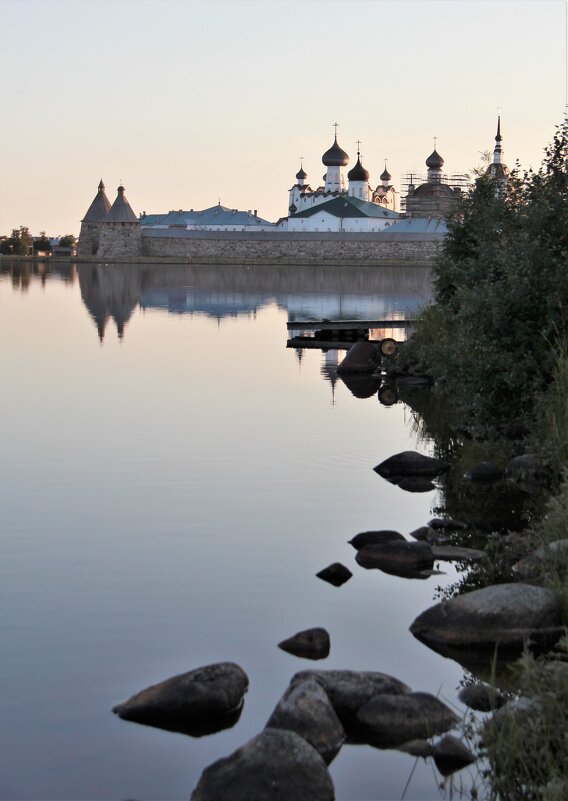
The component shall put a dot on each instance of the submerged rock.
(454, 553)
(484, 473)
(527, 467)
(391, 720)
(396, 554)
(200, 702)
(349, 690)
(361, 385)
(307, 710)
(362, 357)
(508, 615)
(375, 538)
(430, 535)
(417, 748)
(336, 574)
(447, 523)
(451, 755)
(410, 463)
(481, 697)
(413, 483)
(311, 644)
(276, 764)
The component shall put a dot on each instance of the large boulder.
(275, 765)
(348, 690)
(508, 615)
(396, 556)
(375, 538)
(310, 644)
(307, 710)
(527, 467)
(391, 720)
(362, 357)
(203, 701)
(410, 463)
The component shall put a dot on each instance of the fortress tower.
(120, 231)
(91, 224)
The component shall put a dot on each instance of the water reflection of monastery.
(114, 292)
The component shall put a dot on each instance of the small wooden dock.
(345, 325)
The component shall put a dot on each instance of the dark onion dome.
(301, 174)
(434, 161)
(385, 175)
(335, 156)
(358, 173)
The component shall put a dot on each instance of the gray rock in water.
(362, 357)
(447, 523)
(430, 535)
(391, 720)
(410, 463)
(484, 473)
(417, 748)
(276, 765)
(506, 614)
(336, 574)
(454, 553)
(310, 644)
(396, 554)
(481, 697)
(307, 710)
(200, 702)
(414, 483)
(451, 755)
(375, 538)
(348, 690)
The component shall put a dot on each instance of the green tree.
(42, 243)
(68, 241)
(501, 295)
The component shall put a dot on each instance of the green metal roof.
(345, 206)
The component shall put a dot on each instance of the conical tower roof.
(98, 209)
(121, 211)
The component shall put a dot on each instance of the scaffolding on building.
(458, 180)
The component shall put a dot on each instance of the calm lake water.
(172, 478)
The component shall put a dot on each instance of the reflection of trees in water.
(22, 273)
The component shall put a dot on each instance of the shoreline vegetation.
(494, 345)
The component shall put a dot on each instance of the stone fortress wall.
(290, 247)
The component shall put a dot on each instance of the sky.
(188, 102)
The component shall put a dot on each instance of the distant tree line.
(22, 243)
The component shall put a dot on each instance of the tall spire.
(498, 152)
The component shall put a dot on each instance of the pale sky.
(188, 102)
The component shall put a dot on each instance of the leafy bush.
(500, 292)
